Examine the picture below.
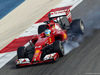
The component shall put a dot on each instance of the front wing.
(25, 61)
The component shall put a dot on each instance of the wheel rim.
(61, 48)
(82, 26)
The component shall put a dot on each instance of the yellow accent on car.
(50, 39)
(18, 61)
(47, 34)
(53, 26)
(37, 51)
(65, 36)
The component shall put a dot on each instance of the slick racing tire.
(41, 29)
(77, 26)
(58, 47)
(20, 52)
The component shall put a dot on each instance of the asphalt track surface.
(84, 60)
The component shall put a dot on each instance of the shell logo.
(35, 55)
(37, 51)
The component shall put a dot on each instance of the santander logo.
(61, 11)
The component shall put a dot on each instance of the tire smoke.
(92, 23)
(69, 46)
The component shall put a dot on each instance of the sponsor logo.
(38, 47)
(35, 55)
(50, 39)
(61, 11)
(49, 56)
(37, 51)
(23, 61)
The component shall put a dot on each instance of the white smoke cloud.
(69, 45)
(91, 22)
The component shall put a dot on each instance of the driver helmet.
(47, 32)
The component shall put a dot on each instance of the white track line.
(6, 57)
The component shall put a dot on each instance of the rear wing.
(61, 13)
(57, 14)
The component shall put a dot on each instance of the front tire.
(58, 47)
(21, 52)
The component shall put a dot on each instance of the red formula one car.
(47, 46)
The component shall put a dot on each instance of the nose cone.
(38, 47)
(37, 55)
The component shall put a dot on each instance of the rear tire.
(41, 29)
(77, 26)
(58, 47)
(21, 52)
